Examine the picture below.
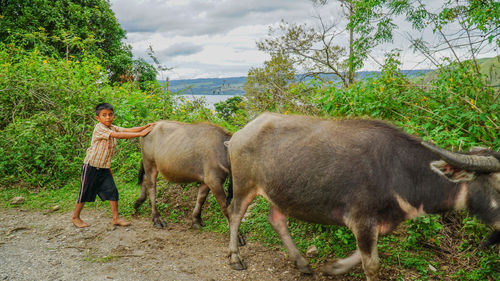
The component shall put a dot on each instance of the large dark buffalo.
(185, 153)
(363, 174)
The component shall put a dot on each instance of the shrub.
(455, 109)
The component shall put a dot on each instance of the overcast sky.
(217, 38)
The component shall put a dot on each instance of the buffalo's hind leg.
(238, 208)
(196, 221)
(216, 186)
(149, 183)
(278, 221)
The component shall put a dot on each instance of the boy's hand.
(148, 129)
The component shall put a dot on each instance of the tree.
(464, 29)
(317, 50)
(307, 48)
(267, 87)
(67, 28)
(144, 73)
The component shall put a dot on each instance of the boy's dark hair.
(102, 106)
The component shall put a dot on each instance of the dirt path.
(38, 246)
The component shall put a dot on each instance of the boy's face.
(106, 117)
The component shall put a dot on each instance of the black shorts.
(97, 181)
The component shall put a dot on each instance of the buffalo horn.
(476, 163)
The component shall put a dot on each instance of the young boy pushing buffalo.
(96, 178)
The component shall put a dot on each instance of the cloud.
(205, 38)
(216, 38)
(203, 17)
(181, 49)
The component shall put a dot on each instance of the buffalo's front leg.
(278, 221)
(203, 191)
(366, 238)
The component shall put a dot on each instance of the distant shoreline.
(234, 85)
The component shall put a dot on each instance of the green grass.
(65, 198)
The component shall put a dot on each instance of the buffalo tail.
(493, 239)
(141, 174)
(229, 190)
(230, 177)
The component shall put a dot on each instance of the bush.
(47, 118)
(456, 109)
(233, 111)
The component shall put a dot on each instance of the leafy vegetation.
(73, 28)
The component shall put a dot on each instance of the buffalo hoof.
(241, 240)
(159, 223)
(137, 204)
(306, 268)
(238, 265)
(334, 268)
(196, 225)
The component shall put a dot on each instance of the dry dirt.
(46, 246)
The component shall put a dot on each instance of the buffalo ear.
(452, 173)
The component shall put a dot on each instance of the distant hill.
(209, 86)
(487, 66)
(234, 85)
(491, 67)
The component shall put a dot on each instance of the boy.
(96, 176)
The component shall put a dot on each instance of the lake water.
(211, 100)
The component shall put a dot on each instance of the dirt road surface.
(46, 246)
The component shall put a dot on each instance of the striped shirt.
(103, 147)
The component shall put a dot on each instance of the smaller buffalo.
(185, 153)
(363, 174)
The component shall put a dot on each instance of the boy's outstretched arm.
(138, 129)
(133, 134)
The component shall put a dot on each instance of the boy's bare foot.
(79, 223)
(119, 222)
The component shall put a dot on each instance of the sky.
(217, 38)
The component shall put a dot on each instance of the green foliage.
(273, 88)
(67, 28)
(32, 83)
(455, 109)
(298, 44)
(146, 73)
(474, 15)
(489, 269)
(267, 87)
(37, 148)
(473, 232)
(233, 111)
(320, 50)
(190, 110)
(421, 229)
(47, 115)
